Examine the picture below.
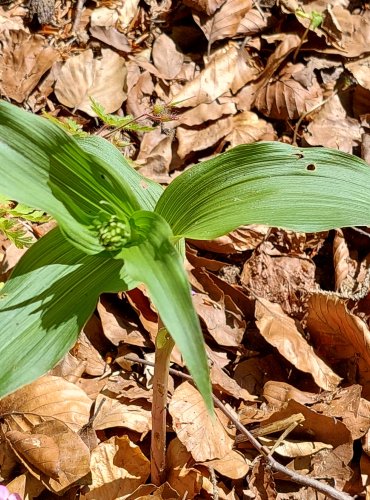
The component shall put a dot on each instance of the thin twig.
(78, 13)
(276, 466)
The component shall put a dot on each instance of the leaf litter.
(285, 315)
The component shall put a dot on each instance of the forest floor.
(285, 315)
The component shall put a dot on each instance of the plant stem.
(163, 348)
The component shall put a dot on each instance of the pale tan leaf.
(205, 438)
(111, 36)
(24, 60)
(336, 332)
(83, 77)
(84, 351)
(47, 398)
(360, 69)
(281, 331)
(117, 326)
(249, 128)
(228, 385)
(224, 324)
(39, 450)
(114, 413)
(181, 476)
(292, 449)
(340, 259)
(205, 112)
(68, 458)
(215, 80)
(191, 139)
(279, 393)
(127, 11)
(224, 23)
(242, 239)
(232, 465)
(166, 57)
(118, 467)
(285, 97)
(253, 22)
(104, 17)
(207, 6)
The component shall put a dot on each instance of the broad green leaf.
(156, 263)
(147, 192)
(45, 304)
(42, 166)
(268, 183)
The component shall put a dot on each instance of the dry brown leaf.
(217, 78)
(47, 398)
(242, 239)
(336, 332)
(116, 324)
(253, 22)
(248, 128)
(295, 448)
(279, 393)
(166, 57)
(186, 480)
(127, 12)
(24, 60)
(223, 319)
(207, 6)
(67, 459)
(252, 374)
(111, 36)
(232, 465)
(116, 413)
(224, 23)
(333, 128)
(206, 112)
(104, 17)
(139, 300)
(191, 139)
(83, 77)
(286, 98)
(340, 259)
(205, 438)
(84, 351)
(118, 467)
(262, 483)
(227, 385)
(282, 332)
(361, 71)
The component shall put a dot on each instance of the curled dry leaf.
(47, 398)
(286, 98)
(83, 77)
(282, 332)
(118, 467)
(204, 437)
(232, 465)
(224, 22)
(340, 259)
(248, 128)
(53, 453)
(279, 393)
(360, 69)
(166, 57)
(253, 22)
(182, 477)
(295, 448)
(206, 112)
(84, 351)
(116, 413)
(223, 319)
(24, 60)
(207, 6)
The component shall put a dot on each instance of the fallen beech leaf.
(68, 458)
(118, 467)
(279, 393)
(47, 398)
(39, 450)
(183, 478)
(205, 112)
(166, 57)
(224, 23)
(24, 60)
(297, 448)
(84, 351)
(340, 259)
(253, 22)
(336, 332)
(281, 331)
(232, 465)
(248, 128)
(115, 413)
(83, 77)
(360, 69)
(207, 6)
(224, 324)
(111, 36)
(205, 438)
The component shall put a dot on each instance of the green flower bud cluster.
(114, 233)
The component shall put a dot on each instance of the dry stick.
(276, 466)
(78, 14)
(163, 348)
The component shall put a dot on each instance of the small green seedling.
(118, 229)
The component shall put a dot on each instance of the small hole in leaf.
(102, 176)
(299, 156)
(311, 167)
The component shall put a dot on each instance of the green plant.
(118, 229)
(11, 225)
